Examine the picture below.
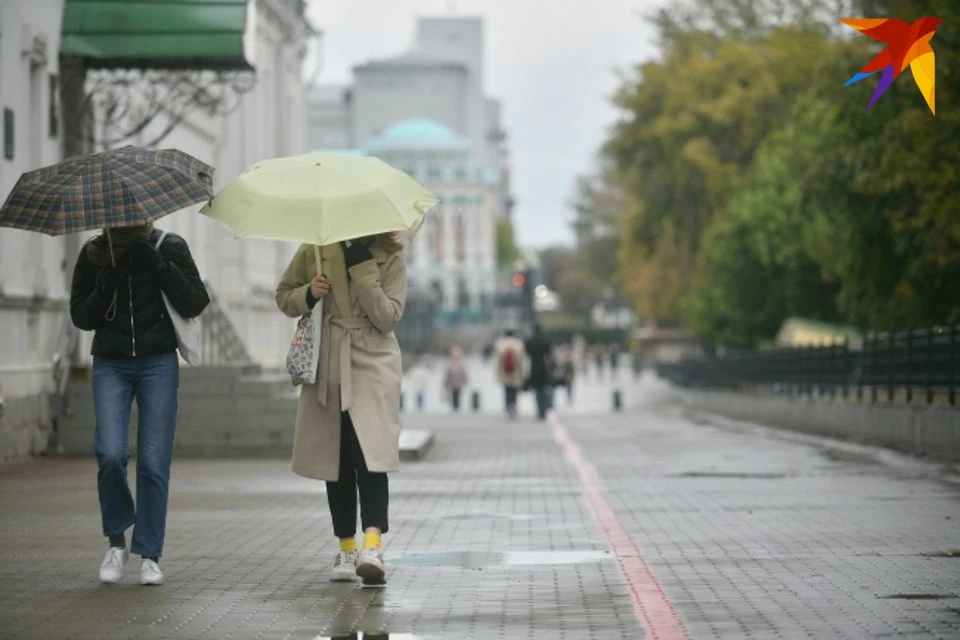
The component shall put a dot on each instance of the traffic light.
(519, 280)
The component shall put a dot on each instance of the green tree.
(884, 194)
(507, 251)
(756, 268)
(683, 145)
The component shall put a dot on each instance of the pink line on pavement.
(651, 604)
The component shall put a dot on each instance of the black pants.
(455, 399)
(342, 494)
(511, 397)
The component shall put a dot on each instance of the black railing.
(417, 331)
(922, 364)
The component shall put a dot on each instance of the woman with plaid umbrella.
(119, 283)
(117, 290)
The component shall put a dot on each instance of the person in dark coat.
(540, 379)
(117, 289)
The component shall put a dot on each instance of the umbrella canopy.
(320, 198)
(125, 187)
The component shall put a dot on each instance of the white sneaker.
(111, 569)
(344, 567)
(370, 566)
(150, 574)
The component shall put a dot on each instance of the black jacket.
(538, 349)
(141, 325)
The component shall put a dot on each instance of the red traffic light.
(518, 280)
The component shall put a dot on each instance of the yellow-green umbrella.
(320, 198)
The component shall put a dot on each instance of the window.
(461, 239)
(434, 173)
(8, 147)
(54, 124)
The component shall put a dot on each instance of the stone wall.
(223, 412)
(932, 431)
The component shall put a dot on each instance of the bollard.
(616, 400)
(476, 401)
(401, 402)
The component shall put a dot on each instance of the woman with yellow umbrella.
(348, 213)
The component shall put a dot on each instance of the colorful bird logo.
(907, 44)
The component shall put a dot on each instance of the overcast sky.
(552, 65)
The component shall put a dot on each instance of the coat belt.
(346, 327)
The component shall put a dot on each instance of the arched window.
(439, 240)
(461, 237)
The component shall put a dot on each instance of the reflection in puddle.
(481, 559)
(919, 596)
(380, 635)
(484, 516)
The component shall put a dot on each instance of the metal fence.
(417, 331)
(921, 364)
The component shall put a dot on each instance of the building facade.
(425, 112)
(33, 278)
(454, 253)
(35, 271)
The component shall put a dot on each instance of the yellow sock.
(348, 545)
(371, 540)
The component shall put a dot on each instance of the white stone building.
(455, 251)
(33, 283)
(425, 112)
(35, 271)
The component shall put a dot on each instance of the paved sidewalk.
(751, 534)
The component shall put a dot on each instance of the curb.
(414, 443)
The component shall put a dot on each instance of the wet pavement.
(649, 523)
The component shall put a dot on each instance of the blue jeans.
(544, 397)
(153, 381)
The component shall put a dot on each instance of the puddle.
(918, 596)
(482, 559)
(483, 516)
(730, 474)
(949, 553)
(380, 635)
(852, 457)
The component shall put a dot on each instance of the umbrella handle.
(113, 259)
(316, 256)
(111, 312)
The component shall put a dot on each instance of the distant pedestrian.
(540, 378)
(510, 365)
(598, 360)
(348, 423)
(456, 377)
(614, 359)
(119, 282)
(637, 364)
(418, 380)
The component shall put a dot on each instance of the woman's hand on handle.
(319, 287)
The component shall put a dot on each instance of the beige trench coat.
(359, 368)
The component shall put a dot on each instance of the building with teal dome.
(424, 112)
(420, 133)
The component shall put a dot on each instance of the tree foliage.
(506, 245)
(754, 186)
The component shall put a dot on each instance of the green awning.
(156, 34)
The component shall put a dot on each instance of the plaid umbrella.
(125, 187)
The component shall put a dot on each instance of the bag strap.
(160, 241)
